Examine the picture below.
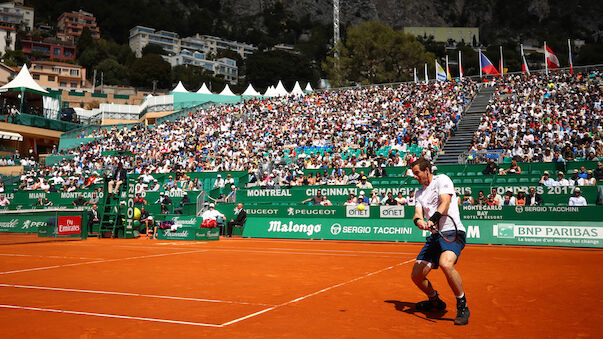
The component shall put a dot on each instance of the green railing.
(42, 122)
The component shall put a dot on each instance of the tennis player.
(436, 201)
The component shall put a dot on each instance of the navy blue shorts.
(435, 246)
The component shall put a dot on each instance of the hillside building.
(71, 24)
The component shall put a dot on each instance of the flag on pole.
(440, 73)
(524, 63)
(426, 76)
(460, 66)
(502, 65)
(448, 76)
(551, 60)
(571, 57)
(416, 77)
(486, 65)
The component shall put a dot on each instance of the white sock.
(462, 295)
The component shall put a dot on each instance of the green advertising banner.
(508, 232)
(11, 223)
(190, 234)
(338, 194)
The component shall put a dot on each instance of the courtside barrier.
(513, 225)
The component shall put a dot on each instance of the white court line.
(42, 256)
(105, 315)
(129, 294)
(289, 251)
(316, 293)
(97, 262)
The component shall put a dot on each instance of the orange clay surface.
(243, 288)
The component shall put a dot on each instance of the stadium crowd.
(544, 118)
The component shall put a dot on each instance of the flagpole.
(479, 54)
(415, 75)
(502, 65)
(426, 77)
(522, 59)
(447, 68)
(460, 67)
(569, 54)
(546, 66)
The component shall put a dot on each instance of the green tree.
(374, 53)
(113, 72)
(85, 41)
(153, 49)
(148, 68)
(14, 58)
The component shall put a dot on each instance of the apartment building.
(225, 67)
(71, 24)
(58, 75)
(8, 37)
(50, 48)
(14, 14)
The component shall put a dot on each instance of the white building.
(13, 14)
(223, 66)
(140, 36)
(8, 36)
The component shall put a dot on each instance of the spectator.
(315, 200)
(139, 200)
(573, 181)
(93, 199)
(140, 186)
(93, 218)
(240, 219)
(400, 199)
(467, 199)
(561, 181)
(497, 197)
(165, 202)
(588, 181)
(545, 180)
(481, 198)
(513, 169)
(491, 201)
(598, 173)
(219, 183)
(410, 199)
(362, 198)
(185, 200)
(351, 201)
(47, 202)
(582, 174)
(325, 201)
(521, 199)
(577, 199)
(229, 180)
(509, 199)
(363, 184)
(79, 201)
(491, 167)
(374, 199)
(534, 198)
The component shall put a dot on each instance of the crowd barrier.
(519, 225)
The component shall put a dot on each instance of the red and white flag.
(460, 66)
(524, 64)
(551, 60)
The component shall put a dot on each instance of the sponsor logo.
(290, 227)
(511, 231)
(268, 211)
(182, 221)
(318, 211)
(518, 209)
(70, 225)
(335, 229)
(9, 224)
(169, 234)
(391, 211)
(353, 212)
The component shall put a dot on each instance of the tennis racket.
(450, 236)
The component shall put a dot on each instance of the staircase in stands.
(461, 141)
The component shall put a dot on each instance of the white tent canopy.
(180, 88)
(309, 88)
(280, 89)
(297, 89)
(227, 91)
(24, 80)
(204, 90)
(250, 91)
(11, 136)
(270, 92)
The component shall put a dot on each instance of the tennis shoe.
(435, 304)
(462, 315)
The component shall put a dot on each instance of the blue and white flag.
(440, 72)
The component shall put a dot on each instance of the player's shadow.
(409, 308)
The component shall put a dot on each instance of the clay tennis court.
(294, 289)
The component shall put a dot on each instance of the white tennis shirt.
(428, 198)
